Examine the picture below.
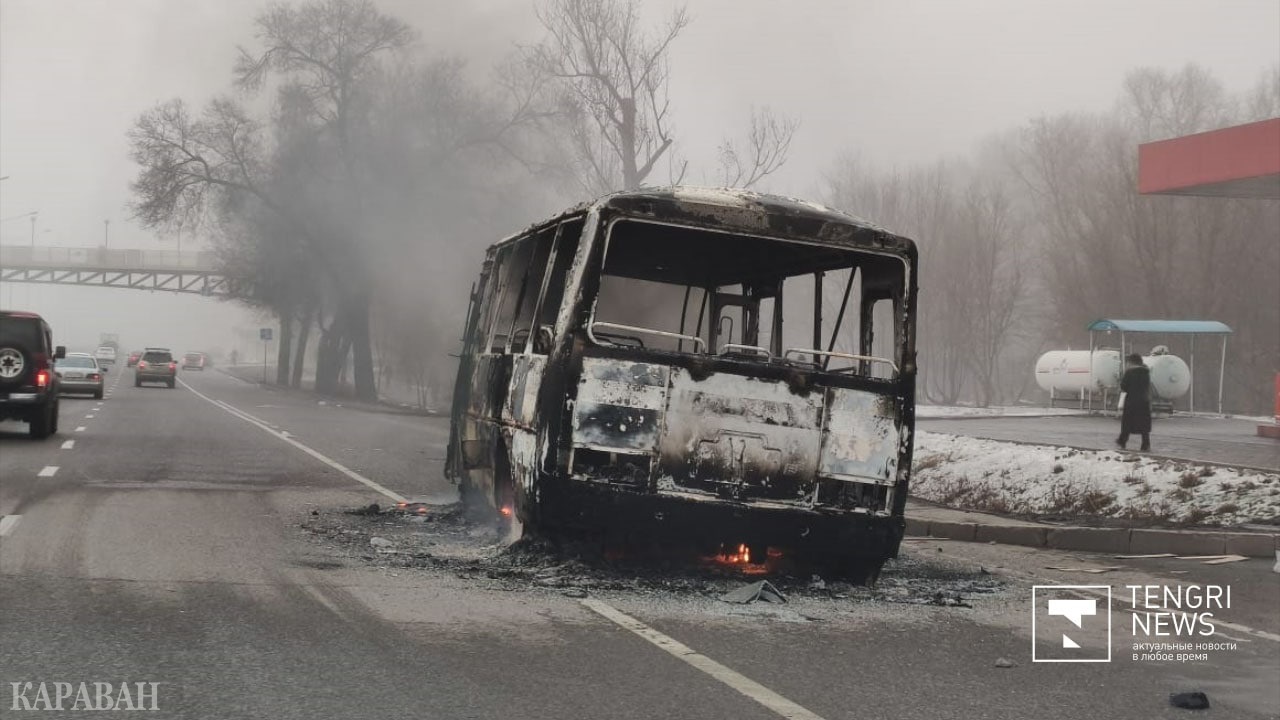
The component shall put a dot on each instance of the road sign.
(264, 334)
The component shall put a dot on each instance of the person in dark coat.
(1135, 418)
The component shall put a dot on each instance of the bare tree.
(324, 50)
(613, 79)
(324, 53)
(992, 277)
(1264, 101)
(767, 144)
(191, 165)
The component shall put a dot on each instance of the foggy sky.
(897, 81)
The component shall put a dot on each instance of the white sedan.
(79, 373)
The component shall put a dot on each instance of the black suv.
(28, 383)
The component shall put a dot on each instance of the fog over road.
(166, 546)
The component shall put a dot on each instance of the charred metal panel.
(740, 437)
(526, 459)
(861, 440)
(619, 405)
(522, 397)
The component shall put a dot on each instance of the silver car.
(80, 373)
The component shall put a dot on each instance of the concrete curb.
(1102, 540)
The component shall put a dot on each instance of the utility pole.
(105, 239)
(33, 230)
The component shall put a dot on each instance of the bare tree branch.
(767, 144)
(616, 77)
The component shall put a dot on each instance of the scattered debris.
(1005, 663)
(1189, 700)
(761, 590)
(1225, 559)
(370, 509)
(449, 541)
(1213, 559)
(949, 600)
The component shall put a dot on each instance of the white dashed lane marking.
(68, 444)
(48, 471)
(733, 679)
(80, 428)
(8, 523)
(89, 416)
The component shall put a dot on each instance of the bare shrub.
(1191, 480)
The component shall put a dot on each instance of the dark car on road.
(194, 361)
(80, 373)
(28, 383)
(156, 366)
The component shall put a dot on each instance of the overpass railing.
(100, 258)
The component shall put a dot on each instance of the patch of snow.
(979, 474)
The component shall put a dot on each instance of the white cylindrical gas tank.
(1070, 371)
(1170, 376)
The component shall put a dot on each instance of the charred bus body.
(695, 365)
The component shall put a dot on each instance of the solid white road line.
(1236, 627)
(739, 682)
(48, 471)
(286, 438)
(80, 428)
(8, 523)
(68, 444)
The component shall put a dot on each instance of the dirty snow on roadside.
(978, 474)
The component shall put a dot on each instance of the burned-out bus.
(701, 366)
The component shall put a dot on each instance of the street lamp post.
(33, 231)
(106, 241)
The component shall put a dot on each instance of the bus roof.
(746, 211)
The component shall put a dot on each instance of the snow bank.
(978, 474)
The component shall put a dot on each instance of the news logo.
(1071, 623)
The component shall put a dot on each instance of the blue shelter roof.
(1206, 327)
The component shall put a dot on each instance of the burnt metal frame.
(710, 293)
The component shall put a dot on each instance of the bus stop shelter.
(1191, 328)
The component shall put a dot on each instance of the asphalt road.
(164, 545)
(1214, 440)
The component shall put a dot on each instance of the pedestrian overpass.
(167, 270)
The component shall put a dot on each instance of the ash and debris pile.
(444, 539)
